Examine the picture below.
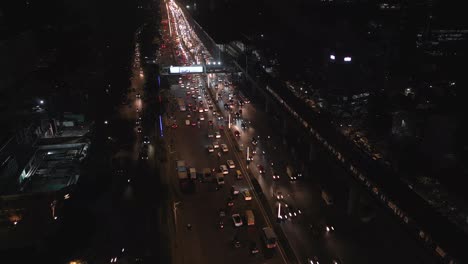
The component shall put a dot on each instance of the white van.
(193, 173)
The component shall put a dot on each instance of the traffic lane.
(225, 157)
(303, 191)
(358, 251)
(202, 196)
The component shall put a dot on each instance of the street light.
(332, 57)
(41, 102)
(219, 63)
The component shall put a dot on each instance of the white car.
(202, 117)
(231, 164)
(187, 122)
(223, 169)
(224, 148)
(210, 148)
(215, 144)
(237, 219)
(217, 134)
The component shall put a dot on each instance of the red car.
(194, 123)
(174, 125)
(237, 133)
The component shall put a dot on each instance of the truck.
(182, 174)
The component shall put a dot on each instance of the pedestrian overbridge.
(196, 69)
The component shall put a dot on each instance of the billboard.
(185, 69)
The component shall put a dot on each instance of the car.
(224, 148)
(239, 175)
(230, 202)
(215, 144)
(243, 126)
(236, 243)
(144, 152)
(261, 169)
(210, 148)
(292, 178)
(276, 176)
(146, 140)
(202, 117)
(187, 122)
(174, 125)
(139, 129)
(210, 122)
(137, 122)
(313, 260)
(294, 211)
(138, 95)
(254, 141)
(237, 219)
(223, 169)
(194, 123)
(201, 110)
(217, 134)
(234, 190)
(221, 224)
(189, 115)
(231, 164)
(336, 261)
(329, 228)
(236, 133)
(247, 195)
(253, 248)
(279, 196)
(221, 212)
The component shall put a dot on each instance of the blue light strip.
(161, 126)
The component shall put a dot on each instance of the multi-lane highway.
(306, 221)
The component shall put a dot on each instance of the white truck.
(182, 174)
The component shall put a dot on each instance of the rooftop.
(53, 167)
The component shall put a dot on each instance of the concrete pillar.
(353, 199)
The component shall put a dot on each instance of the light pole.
(229, 118)
(174, 208)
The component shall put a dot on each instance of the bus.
(269, 237)
(181, 104)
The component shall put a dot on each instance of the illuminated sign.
(186, 69)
